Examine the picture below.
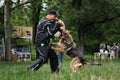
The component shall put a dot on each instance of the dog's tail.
(93, 63)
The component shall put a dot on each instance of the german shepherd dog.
(67, 45)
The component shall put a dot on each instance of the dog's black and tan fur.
(67, 45)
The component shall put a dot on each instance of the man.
(46, 30)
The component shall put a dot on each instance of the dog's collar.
(72, 46)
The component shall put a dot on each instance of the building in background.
(21, 51)
(22, 31)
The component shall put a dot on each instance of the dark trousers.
(53, 60)
(60, 57)
(43, 54)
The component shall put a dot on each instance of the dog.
(68, 46)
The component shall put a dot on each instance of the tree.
(36, 9)
(7, 29)
(88, 18)
(28, 15)
(7, 10)
(1, 22)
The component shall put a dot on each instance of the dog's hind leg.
(73, 64)
(72, 67)
(79, 65)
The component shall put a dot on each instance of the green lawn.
(110, 70)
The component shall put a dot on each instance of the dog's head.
(67, 35)
(66, 32)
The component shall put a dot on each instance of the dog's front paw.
(73, 71)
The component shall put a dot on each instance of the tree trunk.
(80, 38)
(36, 8)
(7, 30)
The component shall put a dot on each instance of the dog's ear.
(65, 32)
(70, 32)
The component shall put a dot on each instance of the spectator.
(60, 56)
(119, 50)
(102, 47)
(108, 48)
(112, 54)
(116, 49)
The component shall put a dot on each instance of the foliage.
(92, 14)
(100, 19)
(1, 16)
(21, 16)
(35, 16)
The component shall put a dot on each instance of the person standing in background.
(60, 55)
(102, 47)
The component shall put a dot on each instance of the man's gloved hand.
(60, 24)
(57, 34)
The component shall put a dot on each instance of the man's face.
(52, 16)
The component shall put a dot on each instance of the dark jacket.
(45, 31)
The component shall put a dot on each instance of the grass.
(110, 70)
